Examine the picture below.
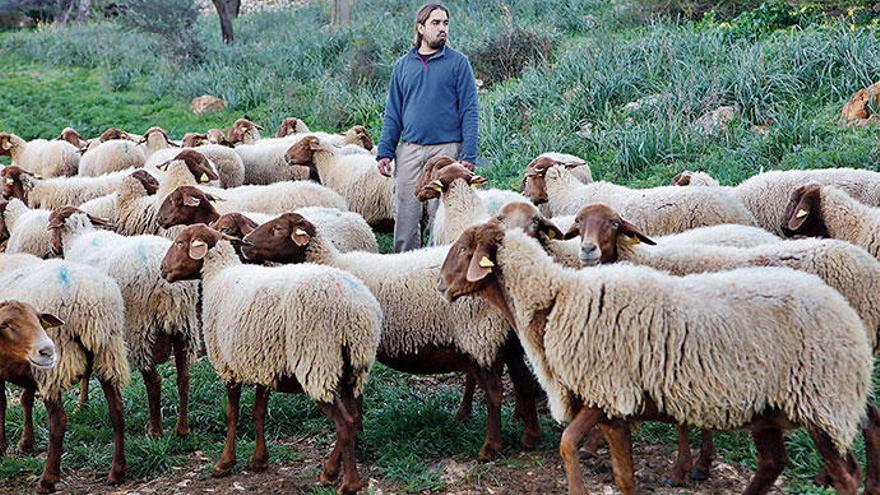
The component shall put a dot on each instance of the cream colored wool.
(847, 268)
(848, 219)
(152, 306)
(103, 207)
(47, 158)
(581, 172)
(276, 198)
(357, 179)
(726, 234)
(111, 156)
(264, 163)
(302, 321)
(460, 206)
(10, 262)
(711, 350)
(226, 162)
(27, 229)
(658, 211)
(181, 173)
(346, 230)
(701, 179)
(495, 199)
(89, 303)
(69, 191)
(416, 314)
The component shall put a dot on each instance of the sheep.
(91, 339)
(460, 205)
(494, 199)
(216, 136)
(688, 178)
(244, 131)
(762, 348)
(159, 316)
(224, 160)
(49, 158)
(23, 229)
(291, 125)
(663, 210)
(105, 206)
(421, 332)
(264, 163)
(70, 135)
(355, 177)
(827, 211)
(59, 191)
(156, 139)
(111, 155)
(305, 328)
(606, 237)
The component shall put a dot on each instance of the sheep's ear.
(197, 249)
(191, 201)
(6, 145)
(479, 267)
(429, 191)
(48, 320)
(259, 127)
(800, 216)
(213, 198)
(573, 231)
(635, 236)
(163, 167)
(101, 222)
(315, 145)
(300, 237)
(682, 179)
(10, 181)
(477, 180)
(550, 230)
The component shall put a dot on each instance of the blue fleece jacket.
(431, 102)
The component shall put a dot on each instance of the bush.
(509, 52)
(172, 20)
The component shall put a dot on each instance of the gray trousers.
(409, 211)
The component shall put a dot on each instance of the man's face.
(435, 29)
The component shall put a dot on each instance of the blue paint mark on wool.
(96, 242)
(350, 281)
(64, 276)
(142, 254)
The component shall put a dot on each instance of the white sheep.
(58, 191)
(111, 156)
(689, 178)
(761, 348)
(48, 158)
(70, 135)
(304, 328)
(223, 159)
(91, 338)
(24, 229)
(291, 125)
(159, 316)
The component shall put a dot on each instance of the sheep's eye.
(615, 224)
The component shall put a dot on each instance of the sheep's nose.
(589, 248)
(441, 286)
(47, 351)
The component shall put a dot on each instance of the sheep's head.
(234, 225)
(683, 178)
(534, 186)
(600, 229)
(470, 267)
(524, 216)
(360, 136)
(70, 216)
(803, 214)
(186, 256)
(216, 136)
(156, 138)
(428, 169)
(688, 178)
(8, 142)
(70, 135)
(291, 125)
(113, 133)
(282, 240)
(17, 182)
(147, 181)
(198, 165)
(193, 139)
(23, 338)
(244, 131)
(187, 205)
(443, 179)
(303, 151)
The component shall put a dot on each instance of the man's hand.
(468, 165)
(384, 166)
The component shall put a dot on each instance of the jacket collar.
(440, 53)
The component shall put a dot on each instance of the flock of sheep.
(260, 253)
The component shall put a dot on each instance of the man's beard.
(436, 44)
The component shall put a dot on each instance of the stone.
(715, 121)
(207, 104)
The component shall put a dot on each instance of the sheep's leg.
(153, 384)
(871, 432)
(117, 421)
(345, 441)
(683, 461)
(466, 408)
(772, 459)
(844, 470)
(57, 426)
(585, 419)
(595, 439)
(83, 393)
(227, 459)
(2, 418)
(26, 443)
(525, 387)
(701, 469)
(181, 362)
(490, 380)
(260, 459)
(619, 438)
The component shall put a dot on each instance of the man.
(432, 109)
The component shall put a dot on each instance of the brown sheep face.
(13, 183)
(6, 144)
(58, 219)
(803, 214)
(187, 205)
(443, 179)
(364, 135)
(281, 240)
(151, 185)
(192, 139)
(431, 166)
(600, 227)
(71, 136)
(524, 216)
(291, 125)
(234, 225)
(303, 152)
(113, 133)
(23, 338)
(197, 163)
(185, 258)
(682, 179)
(534, 186)
(470, 265)
(216, 136)
(243, 130)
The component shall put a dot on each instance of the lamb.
(606, 237)
(707, 350)
(49, 158)
(111, 155)
(188, 206)
(688, 178)
(22, 229)
(159, 316)
(305, 328)
(59, 191)
(91, 338)
(827, 211)
(494, 199)
(663, 210)
(355, 177)
(421, 332)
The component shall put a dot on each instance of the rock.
(715, 122)
(586, 130)
(451, 472)
(206, 104)
(645, 102)
(858, 108)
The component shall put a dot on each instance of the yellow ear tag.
(203, 178)
(802, 213)
(551, 234)
(9, 182)
(438, 186)
(38, 176)
(486, 262)
(633, 240)
(301, 232)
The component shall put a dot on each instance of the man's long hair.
(422, 18)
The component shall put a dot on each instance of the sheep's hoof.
(529, 440)
(823, 478)
(154, 432)
(329, 476)
(699, 474)
(182, 430)
(258, 465)
(116, 476)
(351, 487)
(221, 469)
(489, 451)
(24, 446)
(45, 486)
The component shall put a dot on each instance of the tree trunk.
(65, 7)
(237, 7)
(225, 10)
(83, 10)
(341, 12)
